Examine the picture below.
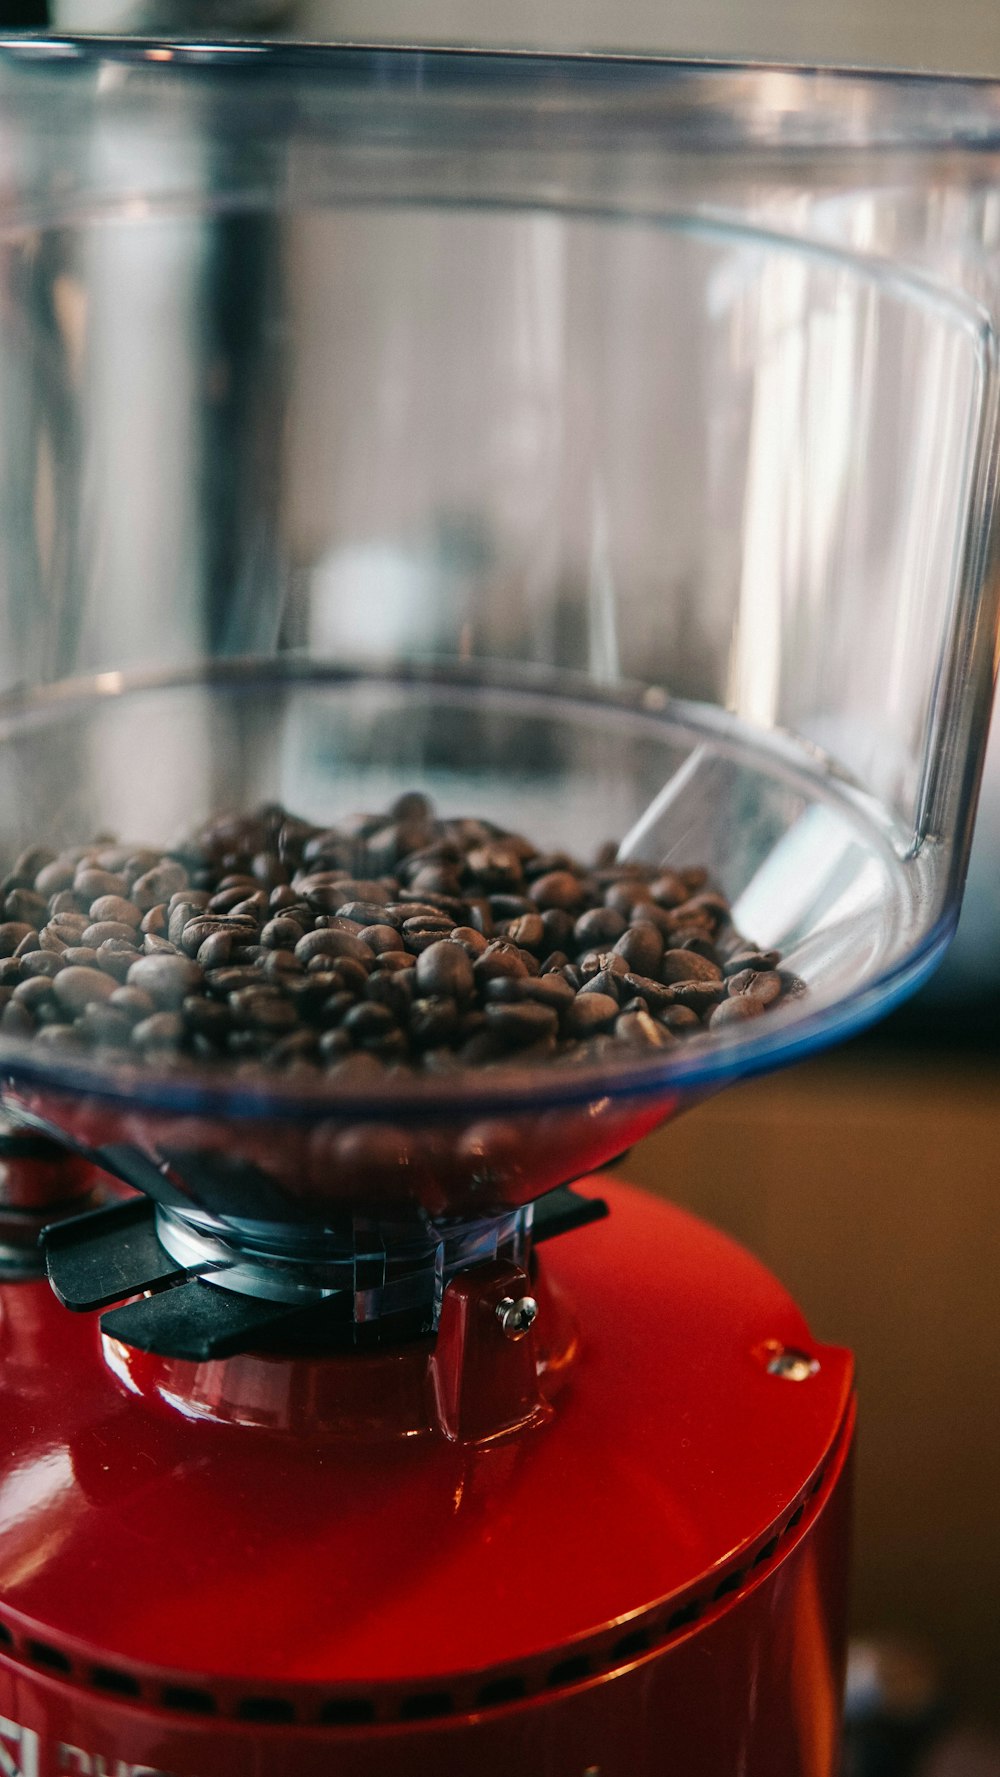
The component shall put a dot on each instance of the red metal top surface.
(131, 1531)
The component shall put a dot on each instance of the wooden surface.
(872, 1188)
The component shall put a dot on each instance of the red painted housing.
(618, 1551)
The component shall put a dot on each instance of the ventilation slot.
(569, 1671)
(689, 1613)
(731, 1583)
(502, 1690)
(122, 1683)
(265, 1709)
(766, 1553)
(426, 1704)
(635, 1643)
(192, 1702)
(348, 1712)
(6, 1638)
(796, 1518)
(44, 1655)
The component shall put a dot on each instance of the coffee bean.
(103, 1024)
(641, 1031)
(157, 884)
(736, 1011)
(528, 931)
(290, 944)
(642, 948)
(368, 1022)
(334, 944)
(103, 929)
(90, 884)
(41, 963)
(756, 984)
(28, 863)
(749, 959)
(12, 933)
(115, 907)
(168, 979)
(599, 929)
(17, 1021)
(519, 1022)
(653, 993)
(78, 987)
(134, 1003)
(32, 993)
(685, 965)
(164, 1030)
(588, 1013)
(54, 877)
(23, 907)
(445, 970)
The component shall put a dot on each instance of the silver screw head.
(516, 1316)
(792, 1366)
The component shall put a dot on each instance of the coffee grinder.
(604, 448)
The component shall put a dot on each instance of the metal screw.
(793, 1366)
(516, 1317)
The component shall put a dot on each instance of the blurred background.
(865, 1180)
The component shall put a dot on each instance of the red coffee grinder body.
(597, 1527)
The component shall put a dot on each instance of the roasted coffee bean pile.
(394, 938)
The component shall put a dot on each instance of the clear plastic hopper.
(601, 450)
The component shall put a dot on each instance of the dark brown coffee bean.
(680, 1019)
(499, 958)
(640, 1031)
(77, 987)
(23, 907)
(164, 1030)
(445, 970)
(116, 908)
(334, 1045)
(394, 989)
(527, 931)
(90, 883)
(54, 877)
(394, 962)
(433, 1022)
(496, 868)
(368, 1023)
(736, 1011)
(13, 933)
(607, 982)
(472, 942)
(756, 984)
(757, 960)
(168, 979)
(135, 1004)
(624, 897)
(216, 951)
(32, 993)
(656, 996)
(599, 929)
(334, 944)
(686, 965)
(642, 948)
(28, 863)
(158, 884)
(668, 889)
(598, 962)
(282, 933)
(102, 1024)
(519, 1022)
(589, 1013)
(701, 996)
(41, 963)
(558, 888)
(368, 913)
(102, 930)
(261, 1009)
